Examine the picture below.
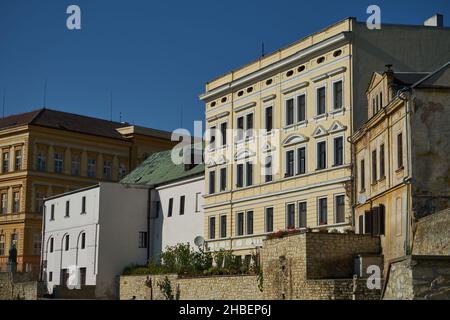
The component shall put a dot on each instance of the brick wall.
(17, 286)
(432, 236)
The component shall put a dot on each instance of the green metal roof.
(159, 169)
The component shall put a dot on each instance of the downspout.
(149, 225)
(41, 266)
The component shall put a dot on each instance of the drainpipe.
(149, 225)
(41, 267)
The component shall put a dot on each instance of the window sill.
(339, 111)
(320, 169)
(83, 213)
(373, 184)
(382, 179)
(321, 117)
(400, 169)
(362, 191)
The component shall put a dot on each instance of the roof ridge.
(37, 115)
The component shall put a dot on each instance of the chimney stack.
(435, 21)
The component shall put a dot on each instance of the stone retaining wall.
(432, 236)
(17, 286)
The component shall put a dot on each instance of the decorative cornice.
(295, 87)
(217, 116)
(269, 97)
(245, 107)
(328, 74)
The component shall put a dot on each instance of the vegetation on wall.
(165, 287)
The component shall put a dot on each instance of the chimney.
(435, 21)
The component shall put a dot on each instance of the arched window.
(2, 245)
(82, 240)
(51, 243)
(66, 243)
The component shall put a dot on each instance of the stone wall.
(419, 277)
(432, 236)
(17, 286)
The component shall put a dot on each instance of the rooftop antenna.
(111, 107)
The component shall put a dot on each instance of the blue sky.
(155, 56)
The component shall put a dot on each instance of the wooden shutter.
(367, 222)
(375, 221)
(361, 224)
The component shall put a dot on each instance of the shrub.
(166, 288)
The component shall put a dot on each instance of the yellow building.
(402, 156)
(295, 110)
(47, 152)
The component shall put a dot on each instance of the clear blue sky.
(155, 56)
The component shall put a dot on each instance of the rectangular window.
(268, 169)
(212, 227)
(249, 222)
(59, 164)
(212, 137)
(269, 119)
(212, 182)
(82, 276)
(301, 108)
(67, 209)
(240, 175)
(249, 129)
(400, 151)
(83, 240)
(240, 127)
(240, 224)
(18, 160)
(323, 212)
(67, 243)
(367, 222)
(5, 166)
(91, 168)
(337, 95)
(374, 166)
(4, 203)
(289, 163)
(76, 165)
(302, 214)
(223, 226)
(16, 202)
(301, 160)
(107, 170)
(83, 205)
(52, 212)
(223, 133)
(143, 240)
(340, 209)
(321, 101)
(182, 204)
(170, 209)
(41, 161)
(249, 174)
(382, 162)
(223, 179)
(362, 176)
(338, 151)
(361, 224)
(269, 219)
(289, 112)
(321, 155)
(197, 201)
(50, 276)
(290, 216)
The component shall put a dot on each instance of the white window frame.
(298, 212)
(335, 207)
(209, 227)
(266, 106)
(295, 115)
(265, 218)
(316, 90)
(244, 215)
(220, 226)
(222, 145)
(318, 210)
(343, 149)
(244, 172)
(326, 153)
(332, 94)
(245, 115)
(286, 214)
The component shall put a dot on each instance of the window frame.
(222, 230)
(318, 142)
(170, 208)
(182, 208)
(266, 220)
(287, 215)
(336, 196)
(240, 229)
(335, 154)
(319, 210)
(299, 203)
(212, 227)
(223, 179)
(333, 93)
(324, 87)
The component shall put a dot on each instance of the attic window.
(337, 53)
(224, 99)
(250, 89)
(241, 93)
(269, 82)
(321, 59)
(301, 68)
(213, 104)
(289, 73)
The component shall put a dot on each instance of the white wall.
(169, 231)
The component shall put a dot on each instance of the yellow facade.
(51, 162)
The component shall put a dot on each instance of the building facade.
(47, 152)
(279, 156)
(402, 160)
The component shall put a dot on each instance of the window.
(76, 165)
(302, 214)
(16, 202)
(223, 179)
(83, 240)
(249, 222)
(240, 127)
(321, 155)
(374, 166)
(212, 227)
(289, 112)
(381, 100)
(290, 163)
(301, 108)
(240, 224)
(249, 174)
(5, 165)
(223, 133)
(361, 224)
(321, 101)
(374, 110)
(169, 214)
(52, 242)
(58, 158)
(323, 212)
(301, 160)
(41, 161)
(240, 175)
(338, 151)
(18, 160)
(362, 176)
(2, 245)
(82, 276)
(122, 171)
(83, 205)
(367, 222)
(245, 127)
(52, 212)
(223, 226)
(269, 119)
(143, 240)
(382, 162)
(67, 209)
(212, 137)
(249, 129)
(400, 151)
(212, 182)
(4, 200)
(37, 240)
(67, 243)
(107, 170)
(290, 216)
(182, 204)
(198, 196)
(340, 209)
(269, 219)
(50, 276)
(377, 103)
(91, 168)
(337, 95)
(268, 169)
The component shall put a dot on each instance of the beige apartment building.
(402, 156)
(289, 165)
(47, 152)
